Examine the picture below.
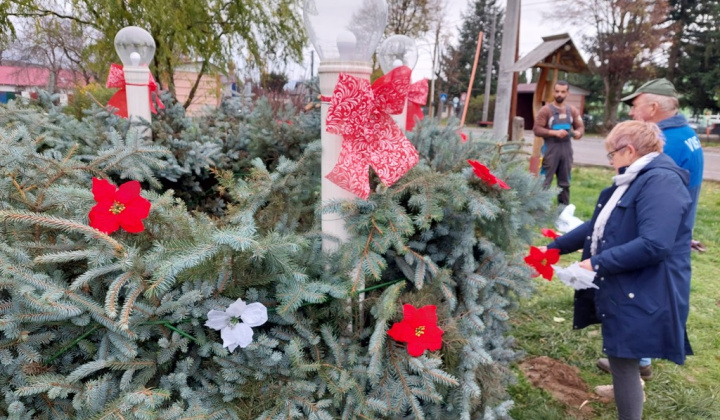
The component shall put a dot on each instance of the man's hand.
(577, 135)
(560, 133)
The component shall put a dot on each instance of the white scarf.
(623, 182)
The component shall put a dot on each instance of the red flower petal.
(502, 184)
(102, 219)
(426, 315)
(552, 255)
(463, 137)
(128, 206)
(103, 190)
(549, 233)
(541, 261)
(409, 311)
(419, 329)
(484, 173)
(402, 331)
(138, 207)
(130, 223)
(128, 191)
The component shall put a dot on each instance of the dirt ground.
(563, 382)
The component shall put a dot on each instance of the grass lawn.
(543, 327)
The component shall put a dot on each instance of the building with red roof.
(20, 79)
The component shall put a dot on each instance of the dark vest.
(557, 123)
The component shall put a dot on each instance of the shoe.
(607, 391)
(646, 372)
(697, 246)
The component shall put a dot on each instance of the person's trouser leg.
(549, 164)
(564, 169)
(627, 388)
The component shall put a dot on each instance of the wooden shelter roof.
(544, 56)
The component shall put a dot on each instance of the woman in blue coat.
(638, 244)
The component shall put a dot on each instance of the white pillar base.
(332, 223)
(137, 79)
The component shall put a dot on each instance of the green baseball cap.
(662, 87)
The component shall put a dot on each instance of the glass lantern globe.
(343, 30)
(135, 46)
(395, 51)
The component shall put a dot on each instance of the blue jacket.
(683, 146)
(642, 266)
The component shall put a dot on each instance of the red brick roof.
(36, 77)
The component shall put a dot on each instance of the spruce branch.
(65, 225)
(71, 344)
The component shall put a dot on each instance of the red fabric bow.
(361, 115)
(417, 97)
(116, 79)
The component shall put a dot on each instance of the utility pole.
(488, 68)
(501, 122)
(434, 65)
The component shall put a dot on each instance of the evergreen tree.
(696, 77)
(112, 326)
(459, 59)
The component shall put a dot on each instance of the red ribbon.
(116, 79)
(417, 97)
(360, 113)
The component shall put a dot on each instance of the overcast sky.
(533, 26)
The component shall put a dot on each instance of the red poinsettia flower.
(541, 261)
(118, 207)
(419, 329)
(463, 137)
(484, 173)
(549, 233)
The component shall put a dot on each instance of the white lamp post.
(396, 51)
(136, 49)
(345, 34)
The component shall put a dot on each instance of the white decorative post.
(345, 35)
(396, 51)
(136, 49)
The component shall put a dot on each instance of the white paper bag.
(567, 220)
(575, 276)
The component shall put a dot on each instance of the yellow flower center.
(419, 331)
(117, 208)
(544, 261)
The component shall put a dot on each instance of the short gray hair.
(665, 103)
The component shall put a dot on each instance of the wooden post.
(513, 96)
(488, 69)
(505, 79)
(472, 79)
(538, 98)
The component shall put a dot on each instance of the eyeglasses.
(611, 154)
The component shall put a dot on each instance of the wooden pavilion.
(556, 54)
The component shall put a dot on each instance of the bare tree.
(627, 33)
(53, 44)
(413, 18)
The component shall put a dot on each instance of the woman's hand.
(586, 264)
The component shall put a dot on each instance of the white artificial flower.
(233, 332)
